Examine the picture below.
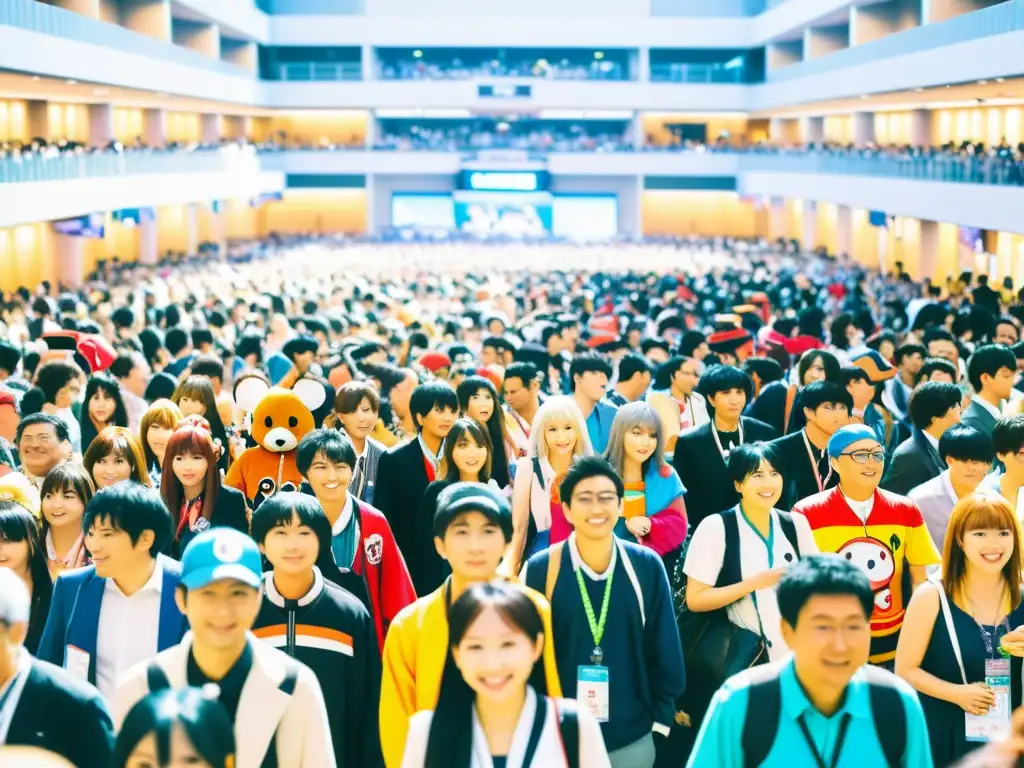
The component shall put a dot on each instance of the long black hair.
(499, 459)
(466, 427)
(450, 743)
(18, 524)
(204, 720)
(97, 382)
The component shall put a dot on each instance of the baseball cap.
(471, 497)
(221, 553)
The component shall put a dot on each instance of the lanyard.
(596, 625)
(814, 463)
(718, 442)
(836, 752)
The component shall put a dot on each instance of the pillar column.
(644, 64)
(863, 129)
(638, 131)
(366, 59)
(929, 240)
(148, 251)
(371, 204)
(154, 128)
(844, 231)
(101, 124)
(209, 129)
(812, 130)
(777, 218)
(37, 115)
(921, 127)
(69, 257)
(809, 236)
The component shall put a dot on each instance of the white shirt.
(577, 561)
(994, 410)
(128, 631)
(706, 555)
(861, 509)
(932, 441)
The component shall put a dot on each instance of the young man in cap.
(934, 408)
(732, 346)
(472, 530)
(876, 530)
(275, 702)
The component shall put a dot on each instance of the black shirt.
(230, 685)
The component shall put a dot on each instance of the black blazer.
(401, 481)
(704, 473)
(797, 473)
(65, 715)
(913, 463)
(427, 568)
(230, 511)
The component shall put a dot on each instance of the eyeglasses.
(861, 457)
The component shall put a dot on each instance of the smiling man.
(875, 530)
(824, 705)
(43, 442)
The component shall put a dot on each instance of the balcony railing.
(305, 71)
(49, 20)
(696, 73)
(67, 167)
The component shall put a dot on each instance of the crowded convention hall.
(583, 384)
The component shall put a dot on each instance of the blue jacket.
(74, 617)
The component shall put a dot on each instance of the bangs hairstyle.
(980, 511)
(121, 442)
(204, 720)
(101, 382)
(200, 388)
(278, 512)
(559, 408)
(497, 458)
(191, 438)
(334, 445)
(632, 416)
(746, 459)
(162, 413)
(64, 477)
(462, 430)
(351, 394)
(426, 396)
(450, 741)
(18, 524)
(828, 361)
(722, 378)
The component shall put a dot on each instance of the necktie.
(359, 474)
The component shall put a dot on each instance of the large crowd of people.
(676, 503)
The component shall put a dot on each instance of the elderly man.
(42, 705)
(43, 442)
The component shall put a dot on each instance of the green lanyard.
(596, 626)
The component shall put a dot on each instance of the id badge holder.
(76, 661)
(994, 726)
(592, 691)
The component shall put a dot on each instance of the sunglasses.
(861, 457)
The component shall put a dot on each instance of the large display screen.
(504, 181)
(90, 225)
(423, 212)
(586, 218)
(503, 214)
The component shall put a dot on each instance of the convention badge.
(995, 725)
(592, 691)
(76, 661)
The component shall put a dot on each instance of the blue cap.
(846, 436)
(221, 553)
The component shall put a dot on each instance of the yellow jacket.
(415, 652)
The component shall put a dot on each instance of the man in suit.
(405, 471)
(120, 610)
(42, 705)
(991, 371)
(274, 701)
(702, 453)
(934, 408)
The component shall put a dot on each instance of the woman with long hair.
(195, 397)
(67, 489)
(115, 455)
(495, 632)
(466, 458)
(21, 549)
(558, 435)
(155, 429)
(478, 399)
(191, 485)
(176, 727)
(653, 512)
(102, 407)
(953, 628)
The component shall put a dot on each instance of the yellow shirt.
(415, 652)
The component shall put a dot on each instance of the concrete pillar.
(69, 258)
(196, 36)
(366, 59)
(844, 230)
(371, 204)
(631, 220)
(38, 119)
(154, 127)
(812, 130)
(209, 128)
(863, 129)
(921, 127)
(90, 8)
(809, 237)
(148, 17)
(638, 131)
(101, 124)
(929, 243)
(644, 64)
(777, 219)
(149, 253)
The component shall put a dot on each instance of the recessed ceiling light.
(949, 86)
(919, 90)
(983, 82)
(1000, 79)
(37, 78)
(71, 82)
(864, 96)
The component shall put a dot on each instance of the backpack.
(764, 702)
(157, 680)
(531, 530)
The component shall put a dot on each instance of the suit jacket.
(936, 500)
(60, 713)
(915, 462)
(74, 617)
(401, 481)
(364, 481)
(303, 738)
(704, 473)
(797, 474)
(230, 511)
(978, 417)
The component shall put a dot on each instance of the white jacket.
(299, 720)
(549, 753)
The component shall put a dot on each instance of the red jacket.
(380, 564)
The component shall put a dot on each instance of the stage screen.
(423, 211)
(503, 214)
(586, 218)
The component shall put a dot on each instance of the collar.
(933, 442)
(796, 703)
(21, 669)
(346, 515)
(275, 597)
(432, 457)
(996, 413)
(947, 486)
(577, 561)
(155, 583)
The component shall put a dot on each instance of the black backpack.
(568, 731)
(764, 708)
(531, 530)
(157, 680)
